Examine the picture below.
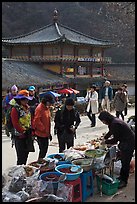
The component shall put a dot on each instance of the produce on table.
(94, 153)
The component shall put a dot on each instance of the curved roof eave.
(84, 35)
(91, 44)
(54, 33)
(32, 43)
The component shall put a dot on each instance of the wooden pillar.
(102, 65)
(42, 49)
(29, 54)
(61, 55)
(91, 68)
(91, 73)
(75, 66)
(10, 51)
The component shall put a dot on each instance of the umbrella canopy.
(74, 91)
(54, 94)
(65, 91)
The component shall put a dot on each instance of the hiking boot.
(122, 184)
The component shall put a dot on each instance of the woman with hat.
(34, 102)
(12, 92)
(21, 120)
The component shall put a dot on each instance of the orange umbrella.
(74, 90)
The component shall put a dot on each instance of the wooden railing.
(65, 58)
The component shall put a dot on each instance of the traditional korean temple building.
(61, 50)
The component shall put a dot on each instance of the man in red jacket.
(42, 124)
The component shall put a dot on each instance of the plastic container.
(58, 160)
(69, 176)
(52, 179)
(107, 188)
(86, 164)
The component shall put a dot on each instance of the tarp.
(54, 94)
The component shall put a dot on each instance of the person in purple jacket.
(119, 131)
(6, 103)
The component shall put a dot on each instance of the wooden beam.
(91, 68)
(10, 51)
(102, 65)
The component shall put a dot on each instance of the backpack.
(9, 124)
(5, 106)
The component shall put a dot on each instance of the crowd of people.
(31, 120)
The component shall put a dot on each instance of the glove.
(103, 142)
(50, 137)
(73, 129)
(28, 132)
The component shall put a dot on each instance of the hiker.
(92, 107)
(125, 90)
(34, 102)
(65, 128)
(21, 120)
(122, 134)
(42, 124)
(120, 102)
(11, 93)
(106, 95)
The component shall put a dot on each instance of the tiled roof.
(117, 72)
(56, 32)
(26, 73)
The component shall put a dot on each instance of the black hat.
(93, 86)
(106, 116)
(69, 102)
(48, 98)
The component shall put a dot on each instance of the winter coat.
(110, 92)
(42, 121)
(21, 120)
(92, 99)
(64, 119)
(122, 133)
(120, 101)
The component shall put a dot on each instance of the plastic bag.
(47, 198)
(51, 198)
(46, 188)
(17, 170)
(4, 180)
(117, 167)
(23, 195)
(33, 186)
(65, 191)
(17, 184)
(71, 154)
(10, 197)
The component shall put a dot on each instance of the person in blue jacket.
(106, 95)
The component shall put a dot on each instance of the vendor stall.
(60, 176)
